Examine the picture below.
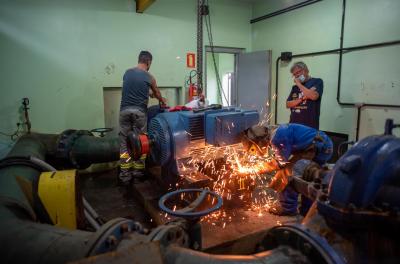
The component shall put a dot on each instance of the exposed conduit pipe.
(199, 64)
(285, 10)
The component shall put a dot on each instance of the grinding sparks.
(236, 175)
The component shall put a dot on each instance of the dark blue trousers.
(288, 199)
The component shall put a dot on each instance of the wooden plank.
(241, 234)
(148, 194)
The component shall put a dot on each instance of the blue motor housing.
(365, 185)
(357, 218)
(174, 133)
(225, 127)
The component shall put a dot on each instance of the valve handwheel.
(101, 130)
(190, 210)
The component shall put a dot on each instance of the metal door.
(254, 81)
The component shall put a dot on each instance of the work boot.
(138, 176)
(125, 188)
(123, 181)
(279, 210)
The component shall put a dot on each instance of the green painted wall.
(61, 54)
(369, 76)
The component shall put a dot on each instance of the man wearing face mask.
(137, 83)
(304, 99)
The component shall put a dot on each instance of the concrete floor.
(110, 201)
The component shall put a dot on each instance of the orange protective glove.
(281, 179)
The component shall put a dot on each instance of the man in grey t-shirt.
(137, 83)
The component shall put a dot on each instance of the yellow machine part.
(57, 191)
(142, 5)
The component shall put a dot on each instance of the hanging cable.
(14, 135)
(211, 43)
(190, 79)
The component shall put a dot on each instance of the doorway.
(220, 75)
(236, 78)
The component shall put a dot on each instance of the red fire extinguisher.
(192, 91)
(192, 86)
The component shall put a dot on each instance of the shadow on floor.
(110, 200)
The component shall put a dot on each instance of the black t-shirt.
(135, 89)
(306, 113)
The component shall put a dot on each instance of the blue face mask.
(301, 78)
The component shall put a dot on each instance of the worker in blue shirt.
(291, 142)
(304, 99)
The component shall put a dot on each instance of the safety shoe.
(125, 188)
(123, 183)
(138, 177)
(279, 210)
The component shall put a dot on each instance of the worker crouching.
(291, 142)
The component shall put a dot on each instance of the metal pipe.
(341, 55)
(358, 121)
(285, 10)
(91, 211)
(22, 238)
(91, 220)
(90, 214)
(89, 149)
(372, 46)
(178, 255)
(276, 88)
(41, 163)
(199, 64)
